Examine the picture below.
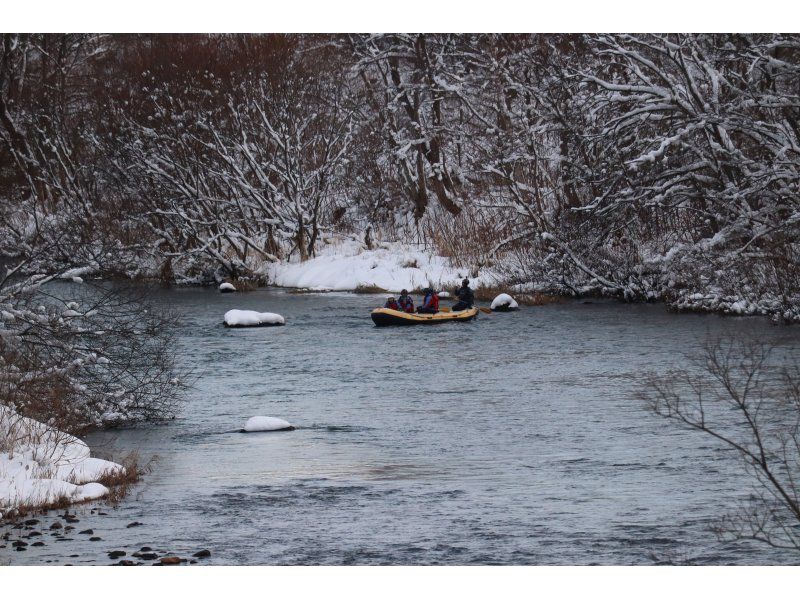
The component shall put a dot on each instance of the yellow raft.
(392, 317)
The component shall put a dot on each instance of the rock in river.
(263, 423)
(241, 318)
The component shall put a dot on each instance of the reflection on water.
(510, 440)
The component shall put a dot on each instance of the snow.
(443, 294)
(40, 465)
(227, 287)
(243, 317)
(346, 265)
(263, 423)
(76, 274)
(504, 299)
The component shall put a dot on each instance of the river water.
(514, 439)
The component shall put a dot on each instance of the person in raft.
(406, 302)
(430, 305)
(391, 304)
(466, 298)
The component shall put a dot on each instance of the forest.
(643, 167)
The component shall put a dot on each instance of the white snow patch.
(226, 286)
(243, 317)
(347, 265)
(41, 465)
(504, 299)
(263, 423)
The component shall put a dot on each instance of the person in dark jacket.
(466, 298)
(392, 304)
(406, 302)
(430, 305)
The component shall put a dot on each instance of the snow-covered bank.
(42, 466)
(347, 265)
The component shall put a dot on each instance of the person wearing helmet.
(466, 298)
(405, 302)
(430, 305)
(391, 304)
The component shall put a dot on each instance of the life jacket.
(431, 302)
(406, 304)
(465, 295)
(392, 305)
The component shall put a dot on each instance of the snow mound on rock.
(227, 287)
(504, 300)
(263, 423)
(243, 317)
(443, 294)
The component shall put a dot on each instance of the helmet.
(404, 292)
(465, 282)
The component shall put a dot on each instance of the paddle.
(447, 310)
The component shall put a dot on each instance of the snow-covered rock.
(237, 318)
(263, 423)
(227, 287)
(41, 465)
(504, 302)
(443, 295)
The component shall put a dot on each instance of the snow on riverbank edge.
(41, 466)
(348, 266)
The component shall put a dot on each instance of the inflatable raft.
(391, 317)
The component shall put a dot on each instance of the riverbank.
(42, 467)
(347, 265)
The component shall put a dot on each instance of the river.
(514, 439)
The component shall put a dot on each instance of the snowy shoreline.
(347, 265)
(41, 466)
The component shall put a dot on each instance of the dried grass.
(243, 285)
(119, 483)
(369, 289)
(469, 239)
(488, 293)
